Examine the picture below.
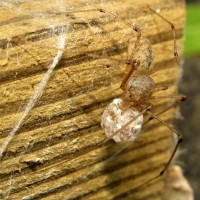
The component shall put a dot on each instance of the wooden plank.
(54, 154)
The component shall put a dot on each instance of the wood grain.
(54, 154)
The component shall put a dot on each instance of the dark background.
(190, 86)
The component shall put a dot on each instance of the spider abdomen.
(118, 124)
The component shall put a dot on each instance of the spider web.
(30, 36)
(25, 54)
(25, 15)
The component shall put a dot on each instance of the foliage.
(192, 44)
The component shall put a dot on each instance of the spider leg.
(157, 89)
(109, 13)
(174, 104)
(178, 97)
(29, 53)
(180, 139)
(175, 57)
(123, 85)
(172, 27)
(130, 52)
(135, 28)
(104, 57)
(67, 73)
(130, 55)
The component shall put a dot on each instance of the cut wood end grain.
(54, 154)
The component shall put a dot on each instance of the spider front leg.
(133, 46)
(175, 52)
(124, 84)
(172, 27)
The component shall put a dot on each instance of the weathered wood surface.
(54, 155)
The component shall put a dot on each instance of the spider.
(122, 120)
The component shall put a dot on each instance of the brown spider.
(122, 120)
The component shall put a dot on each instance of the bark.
(54, 154)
